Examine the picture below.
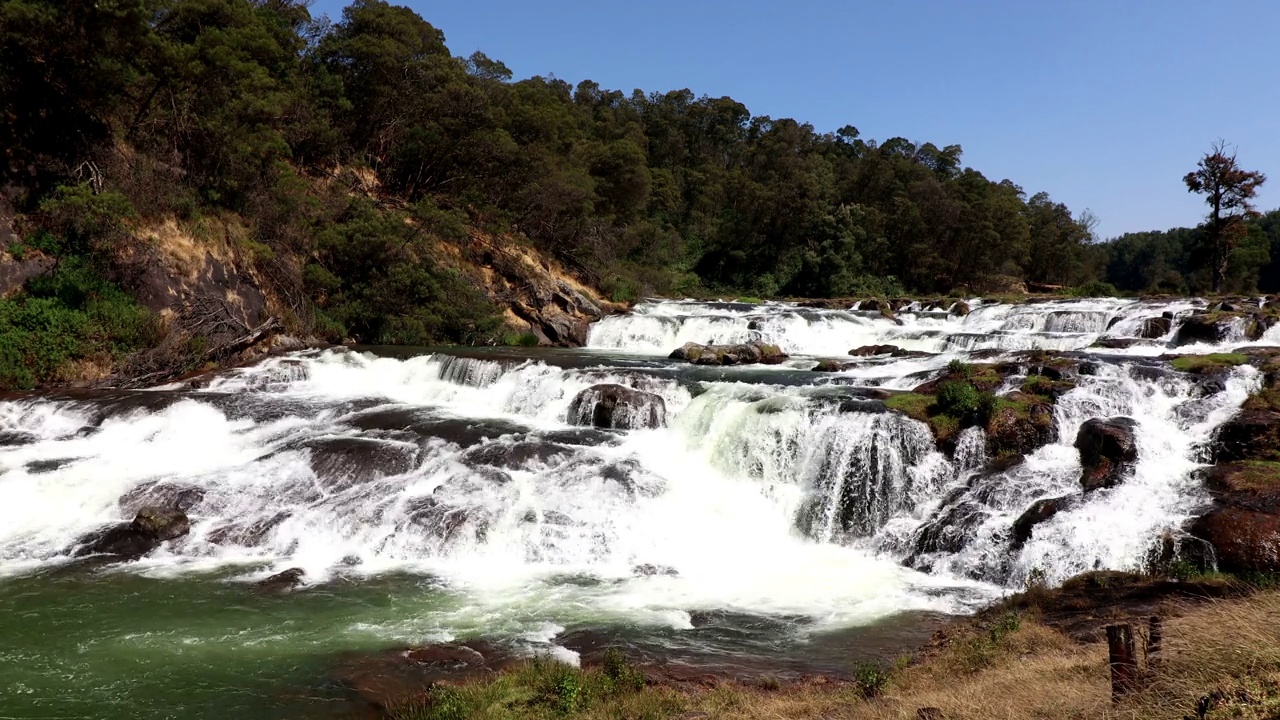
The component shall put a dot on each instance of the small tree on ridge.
(1229, 191)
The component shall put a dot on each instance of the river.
(440, 494)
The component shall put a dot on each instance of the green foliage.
(70, 314)
(958, 399)
(1096, 288)
(870, 678)
(540, 689)
(959, 367)
(520, 340)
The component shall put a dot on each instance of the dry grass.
(1222, 657)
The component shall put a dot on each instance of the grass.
(543, 688)
(1201, 363)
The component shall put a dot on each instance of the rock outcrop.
(151, 527)
(1243, 524)
(743, 354)
(618, 407)
(1107, 451)
(1156, 327)
(1040, 511)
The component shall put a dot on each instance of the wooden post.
(1124, 663)
(1155, 638)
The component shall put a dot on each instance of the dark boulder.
(1156, 327)
(650, 570)
(960, 309)
(162, 494)
(1040, 511)
(1250, 435)
(151, 527)
(1115, 343)
(831, 366)
(247, 533)
(281, 582)
(1213, 328)
(617, 406)
(869, 350)
(1021, 425)
(1243, 524)
(1107, 451)
(392, 679)
(743, 354)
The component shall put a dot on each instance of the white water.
(770, 491)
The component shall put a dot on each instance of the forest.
(350, 147)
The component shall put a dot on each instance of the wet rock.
(1153, 328)
(445, 521)
(1244, 539)
(1115, 343)
(1022, 425)
(1089, 368)
(162, 494)
(618, 407)
(1250, 435)
(744, 354)
(281, 582)
(516, 455)
(390, 679)
(15, 438)
(249, 533)
(650, 570)
(1040, 511)
(151, 527)
(344, 462)
(1243, 524)
(1203, 328)
(869, 350)
(832, 366)
(960, 309)
(1107, 450)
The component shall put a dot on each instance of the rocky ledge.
(750, 353)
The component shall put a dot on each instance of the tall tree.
(1229, 191)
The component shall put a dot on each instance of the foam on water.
(795, 497)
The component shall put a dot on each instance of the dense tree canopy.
(350, 148)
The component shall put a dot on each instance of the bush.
(1097, 288)
(870, 678)
(70, 314)
(958, 399)
(959, 367)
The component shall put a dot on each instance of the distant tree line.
(350, 148)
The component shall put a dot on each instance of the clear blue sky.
(1105, 104)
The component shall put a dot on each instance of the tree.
(1229, 191)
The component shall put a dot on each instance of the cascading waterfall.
(763, 490)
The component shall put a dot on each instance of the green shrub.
(959, 367)
(525, 339)
(958, 399)
(870, 678)
(1097, 288)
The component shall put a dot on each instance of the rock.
(960, 309)
(869, 350)
(281, 582)
(1115, 343)
(1039, 512)
(831, 366)
(392, 678)
(250, 533)
(565, 330)
(150, 527)
(1204, 328)
(15, 273)
(617, 406)
(1107, 450)
(1244, 539)
(1089, 368)
(1021, 427)
(1153, 328)
(162, 494)
(743, 354)
(1250, 435)
(1243, 525)
(650, 570)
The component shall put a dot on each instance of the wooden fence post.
(1124, 664)
(1155, 639)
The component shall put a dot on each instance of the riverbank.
(1039, 654)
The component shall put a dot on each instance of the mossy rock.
(1208, 364)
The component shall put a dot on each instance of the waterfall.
(765, 489)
